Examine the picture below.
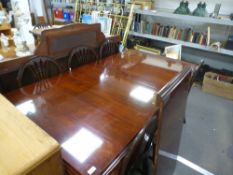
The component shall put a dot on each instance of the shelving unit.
(184, 43)
(69, 6)
(225, 22)
(63, 4)
(188, 18)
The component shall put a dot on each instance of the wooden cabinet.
(24, 147)
(5, 28)
(220, 29)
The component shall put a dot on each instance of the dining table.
(95, 111)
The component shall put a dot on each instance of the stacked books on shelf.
(168, 31)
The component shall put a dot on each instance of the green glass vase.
(200, 10)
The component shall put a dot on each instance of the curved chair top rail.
(109, 47)
(39, 67)
(83, 54)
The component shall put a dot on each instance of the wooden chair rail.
(39, 67)
(81, 55)
(109, 47)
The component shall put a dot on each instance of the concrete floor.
(207, 137)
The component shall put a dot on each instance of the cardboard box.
(218, 85)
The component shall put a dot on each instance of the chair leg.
(184, 120)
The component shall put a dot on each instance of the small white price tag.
(91, 170)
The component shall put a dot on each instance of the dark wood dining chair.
(140, 156)
(109, 47)
(0, 89)
(41, 26)
(37, 69)
(80, 56)
(198, 74)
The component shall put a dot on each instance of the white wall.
(37, 7)
(226, 8)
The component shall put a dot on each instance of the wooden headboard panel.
(59, 42)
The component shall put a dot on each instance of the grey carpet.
(207, 136)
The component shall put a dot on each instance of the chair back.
(197, 74)
(80, 56)
(42, 26)
(37, 69)
(173, 52)
(109, 47)
(142, 143)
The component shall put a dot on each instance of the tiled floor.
(207, 137)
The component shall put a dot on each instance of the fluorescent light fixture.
(82, 144)
(104, 76)
(142, 94)
(27, 107)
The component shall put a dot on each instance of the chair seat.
(141, 153)
(146, 167)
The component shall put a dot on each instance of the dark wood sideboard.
(56, 43)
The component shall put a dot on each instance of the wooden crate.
(212, 85)
(24, 147)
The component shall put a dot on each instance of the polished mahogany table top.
(95, 111)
